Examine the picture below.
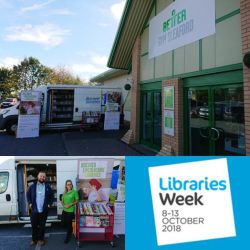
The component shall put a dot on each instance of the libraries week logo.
(192, 201)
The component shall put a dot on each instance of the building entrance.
(216, 120)
(151, 118)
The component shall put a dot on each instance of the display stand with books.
(94, 222)
(91, 119)
(94, 213)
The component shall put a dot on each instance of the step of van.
(29, 225)
(60, 125)
(49, 219)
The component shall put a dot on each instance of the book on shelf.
(91, 113)
(87, 208)
(93, 221)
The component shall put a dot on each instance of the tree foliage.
(62, 75)
(5, 84)
(30, 73)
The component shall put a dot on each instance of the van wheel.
(11, 127)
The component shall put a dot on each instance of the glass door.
(151, 119)
(157, 118)
(147, 117)
(216, 121)
(229, 128)
(199, 122)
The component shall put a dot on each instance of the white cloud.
(103, 24)
(62, 12)
(48, 35)
(88, 70)
(85, 68)
(36, 6)
(9, 62)
(100, 60)
(3, 2)
(117, 10)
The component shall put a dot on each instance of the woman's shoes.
(67, 239)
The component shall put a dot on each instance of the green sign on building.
(169, 122)
(169, 97)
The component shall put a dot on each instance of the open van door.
(66, 170)
(8, 199)
(27, 171)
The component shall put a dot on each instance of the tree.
(5, 84)
(29, 74)
(62, 75)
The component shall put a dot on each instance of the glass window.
(4, 178)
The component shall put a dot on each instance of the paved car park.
(70, 143)
(18, 237)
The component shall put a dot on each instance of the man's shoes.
(33, 243)
(41, 242)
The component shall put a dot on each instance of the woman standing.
(69, 199)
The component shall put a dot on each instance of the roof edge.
(120, 30)
(109, 74)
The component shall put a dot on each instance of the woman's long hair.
(66, 190)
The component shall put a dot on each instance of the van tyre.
(11, 127)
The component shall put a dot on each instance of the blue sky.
(78, 34)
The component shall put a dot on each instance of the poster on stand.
(112, 121)
(111, 101)
(94, 179)
(113, 97)
(29, 114)
(119, 223)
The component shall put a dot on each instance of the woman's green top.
(69, 198)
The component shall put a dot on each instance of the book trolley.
(91, 119)
(94, 222)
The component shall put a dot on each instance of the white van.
(62, 106)
(18, 173)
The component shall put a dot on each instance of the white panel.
(66, 170)
(179, 61)
(223, 8)
(208, 52)
(228, 42)
(147, 68)
(163, 65)
(192, 57)
(144, 41)
(86, 99)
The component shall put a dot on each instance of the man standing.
(40, 199)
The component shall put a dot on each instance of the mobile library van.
(62, 106)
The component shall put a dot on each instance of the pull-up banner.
(29, 114)
(181, 23)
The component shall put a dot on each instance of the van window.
(4, 178)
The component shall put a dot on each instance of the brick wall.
(133, 135)
(245, 32)
(173, 145)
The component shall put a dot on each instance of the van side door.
(86, 99)
(8, 208)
